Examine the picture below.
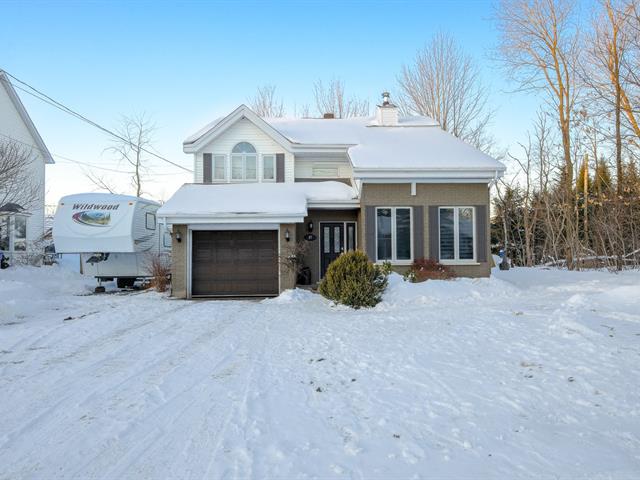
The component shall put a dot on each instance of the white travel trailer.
(114, 234)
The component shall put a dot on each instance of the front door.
(331, 244)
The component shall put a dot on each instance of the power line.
(71, 160)
(60, 106)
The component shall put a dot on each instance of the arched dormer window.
(244, 147)
(244, 162)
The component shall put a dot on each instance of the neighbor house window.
(393, 233)
(244, 162)
(219, 167)
(4, 232)
(20, 233)
(268, 167)
(457, 239)
(150, 221)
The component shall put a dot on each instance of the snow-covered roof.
(275, 202)
(414, 144)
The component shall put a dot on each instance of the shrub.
(428, 269)
(158, 267)
(353, 280)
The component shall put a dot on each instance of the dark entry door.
(234, 263)
(331, 244)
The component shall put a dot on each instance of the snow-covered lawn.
(532, 373)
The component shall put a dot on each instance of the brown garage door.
(234, 263)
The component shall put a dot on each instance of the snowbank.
(26, 291)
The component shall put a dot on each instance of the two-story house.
(397, 188)
(22, 190)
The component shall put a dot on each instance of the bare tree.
(136, 137)
(17, 183)
(539, 48)
(265, 103)
(100, 181)
(603, 72)
(332, 99)
(444, 83)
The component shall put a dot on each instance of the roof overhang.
(195, 145)
(448, 175)
(234, 219)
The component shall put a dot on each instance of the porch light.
(310, 227)
(286, 235)
(178, 237)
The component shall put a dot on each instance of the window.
(244, 162)
(166, 239)
(20, 233)
(351, 236)
(150, 221)
(219, 167)
(457, 238)
(4, 233)
(268, 167)
(324, 172)
(393, 233)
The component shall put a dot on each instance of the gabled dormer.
(240, 148)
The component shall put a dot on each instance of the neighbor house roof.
(15, 99)
(415, 146)
(259, 202)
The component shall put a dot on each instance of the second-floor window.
(244, 162)
(268, 167)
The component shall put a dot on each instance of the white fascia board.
(236, 220)
(336, 205)
(234, 226)
(241, 112)
(427, 176)
(320, 148)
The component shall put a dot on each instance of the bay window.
(20, 233)
(457, 237)
(393, 234)
(13, 233)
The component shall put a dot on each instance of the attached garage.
(234, 263)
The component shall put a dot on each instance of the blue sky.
(185, 64)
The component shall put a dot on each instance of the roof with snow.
(260, 202)
(415, 143)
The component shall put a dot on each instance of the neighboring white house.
(21, 228)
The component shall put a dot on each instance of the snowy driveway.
(535, 373)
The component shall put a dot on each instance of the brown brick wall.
(287, 271)
(179, 262)
(449, 194)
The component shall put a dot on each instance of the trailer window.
(151, 221)
(166, 239)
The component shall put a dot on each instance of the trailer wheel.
(126, 282)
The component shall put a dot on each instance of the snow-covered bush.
(353, 280)
(428, 269)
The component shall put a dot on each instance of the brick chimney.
(387, 113)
